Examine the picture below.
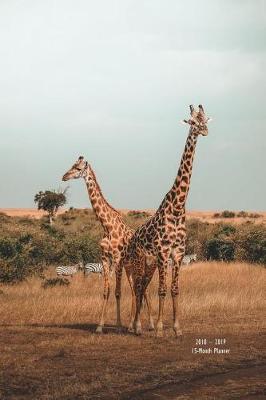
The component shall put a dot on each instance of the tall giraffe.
(163, 236)
(116, 237)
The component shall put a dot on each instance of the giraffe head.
(78, 170)
(198, 121)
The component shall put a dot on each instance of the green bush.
(253, 244)
(225, 229)
(220, 249)
(27, 249)
(80, 248)
(227, 214)
(211, 241)
(254, 215)
(13, 272)
(9, 247)
(242, 214)
(138, 214)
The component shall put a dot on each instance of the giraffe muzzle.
(65, 178)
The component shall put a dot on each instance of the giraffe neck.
(175, 200)
(105, 213)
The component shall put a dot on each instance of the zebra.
(68, 270)
(95, 268)
(187, 259)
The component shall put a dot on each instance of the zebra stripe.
(95, 268)
(68, 270)
(189, 258)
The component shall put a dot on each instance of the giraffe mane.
(100, 191)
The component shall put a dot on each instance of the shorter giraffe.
(116, 237)
(163, 236)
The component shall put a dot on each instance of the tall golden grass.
(221, 290)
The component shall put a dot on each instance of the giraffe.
(163, 236)
(116, 236)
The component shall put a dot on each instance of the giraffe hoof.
(99, 329)
(138, 331)
(130, 329)
(151, 327)
(159, 333)
(178, 335)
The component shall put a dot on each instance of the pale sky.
(111, 80)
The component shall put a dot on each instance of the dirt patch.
(238, 382)
(67, 362)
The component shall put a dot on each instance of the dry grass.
(49, 350)
(206, 289)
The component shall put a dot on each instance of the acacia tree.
(50, 201)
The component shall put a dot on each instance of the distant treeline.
(233, 214)
(28, 246)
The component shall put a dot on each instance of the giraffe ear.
(86, 164)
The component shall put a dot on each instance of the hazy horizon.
(112, 80)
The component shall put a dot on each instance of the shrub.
(9, 247)
(220, 249)
(254, 215)
(26, 221)
(25, 239)
(216, 215)
(53, 231)
(198, 233)
(11, 272)
(68, 216)
(50, 283)
(80, 248)
(226, 229)
(228, 214)
(253, 244)
(242, 214)
(138, 214)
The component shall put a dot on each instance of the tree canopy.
(50, 201)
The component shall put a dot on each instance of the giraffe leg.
(133, 302)
(162, 264)
(119, 271)
(106, 293)
(177, 259)
(139, 297)
(148, 303)
(150, 269)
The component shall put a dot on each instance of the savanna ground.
(49, 350)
